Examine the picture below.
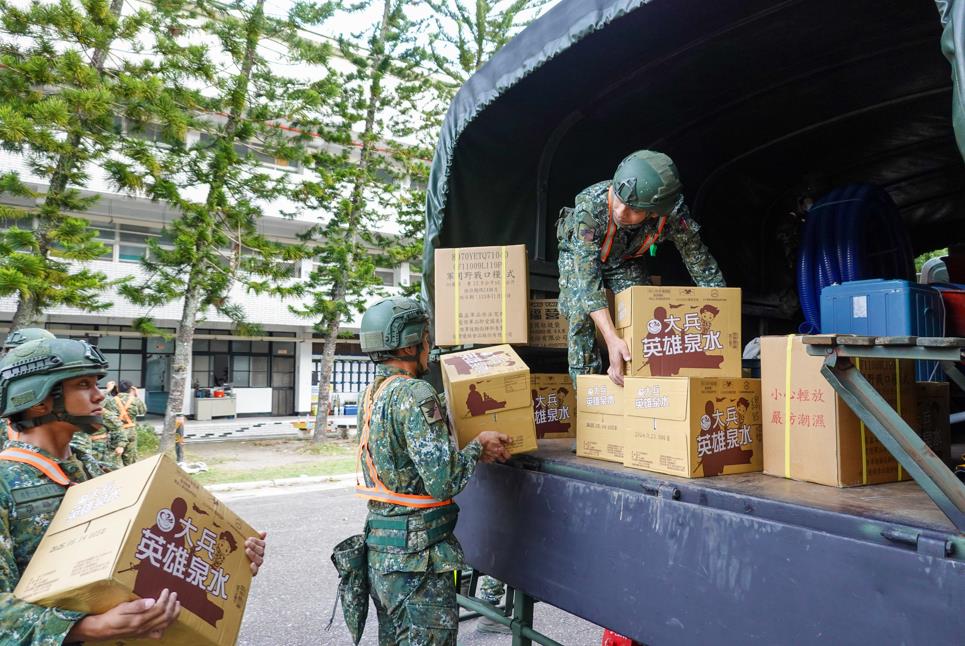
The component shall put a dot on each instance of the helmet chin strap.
(90, 424)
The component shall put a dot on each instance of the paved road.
(292, 598)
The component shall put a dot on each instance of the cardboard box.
(811, 434)
(489, 390)
(547, 327)
(482, 295)
(135, 531)
(934, 410)
(600, 431)
(554, 405)
(693, 427)
(681, 331)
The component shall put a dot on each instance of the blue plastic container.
(885, 308)
(350, 409)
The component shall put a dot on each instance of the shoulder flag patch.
(430, 410)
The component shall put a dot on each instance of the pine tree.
(217, 183)
(60, 90)
(469, 33)
(367, 177)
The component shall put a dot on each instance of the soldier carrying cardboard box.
(602, 242)
(48, 391)
(411, 469)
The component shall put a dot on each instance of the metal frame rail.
(931, 474)
(516, 614)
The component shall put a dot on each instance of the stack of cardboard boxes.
(482, 297)
(684, 409)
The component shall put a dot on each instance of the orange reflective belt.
(39, 462)
(126, 420)
(379, 491)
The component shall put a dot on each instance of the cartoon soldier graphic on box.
(603, 241)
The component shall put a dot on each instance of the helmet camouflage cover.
(647, 181)
(31, 372)
(390, 325)
(21, 336)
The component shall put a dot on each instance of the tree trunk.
(324, 381)
(193, 294)
(377, 57)
(184, 344)
(26, 314)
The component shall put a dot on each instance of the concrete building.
(272, 374)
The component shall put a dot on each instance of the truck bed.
(670, 560)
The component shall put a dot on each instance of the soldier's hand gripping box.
(693, 427)
(554, 405)
(489, 389)
(482, 295)
(600, 428)
(680, 331)
(132, 533)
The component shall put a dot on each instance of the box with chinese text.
(600, 431)
(488, 389)
(693, 427)
(554, 405)
(134, 532)
(547, 327)
(811, 434)
(680, 331)
(481, 295)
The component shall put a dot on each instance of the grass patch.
(328, 448)
(326, 468)
(147, 442)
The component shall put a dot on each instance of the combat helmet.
(34, 370)
(21, 336)
(647, 181)
(390, 325)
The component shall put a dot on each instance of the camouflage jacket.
(414, 452)
(28, 502)
(582, 232)
(135, 407)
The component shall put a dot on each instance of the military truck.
(762, 104)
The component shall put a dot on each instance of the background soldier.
(413, 473)
(602, 241)
(127, 406)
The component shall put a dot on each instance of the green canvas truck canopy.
(755, 100)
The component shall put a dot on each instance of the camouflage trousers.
(582, 351)
(415, 608)
(491, 590)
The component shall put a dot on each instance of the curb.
(347, 478)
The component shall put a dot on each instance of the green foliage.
(59, 93)
(375, 114)
(147, 442)
(925, 257)
(469, 33)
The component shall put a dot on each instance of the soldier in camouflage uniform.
(48, 390)
(127, 407)
(602, 242)
(412, 472)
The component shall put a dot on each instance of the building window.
(242, 363)
(387, 276)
